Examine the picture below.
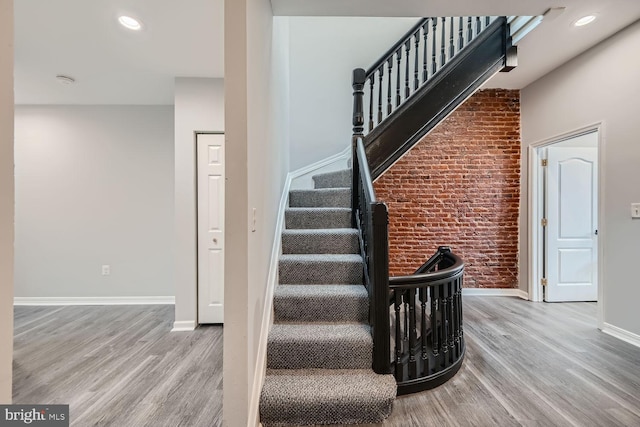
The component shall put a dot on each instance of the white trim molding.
(184, 326)
(621, 334)
(343, 155)
(267, 309)
(148, 300)
(494, 292)
(533, 217)
(301, 178)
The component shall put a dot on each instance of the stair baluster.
(416, 80)
(425, 56)
(452, 45)
(398, 76)
(381, 78)
(390, 66)
(443, 54)
(372, 81)
(434, 64)
(407, 90)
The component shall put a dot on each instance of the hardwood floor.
(532, 364)
(118, 365)
(526, 365)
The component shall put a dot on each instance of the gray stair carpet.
(320, 241)
(317, 218)
(333, 179)
(324, 197)
(319, 350)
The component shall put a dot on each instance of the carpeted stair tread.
(321, 303)
(337, 179)
(324, 197)
(305, 397)
(320, 268)
(319, 346)
(320, 241)
(317, 218)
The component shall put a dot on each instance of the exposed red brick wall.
(460, 187)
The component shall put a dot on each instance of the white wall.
(199, 106)
(93, 187)
(600, 85)
(324, 51)
(6, 199)
(256, 58)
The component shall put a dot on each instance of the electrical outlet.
(106, 270)
(635, 210)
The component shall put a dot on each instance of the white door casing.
(571, 232)
(211, 186)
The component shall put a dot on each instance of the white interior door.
(211, 183)
(572, 249)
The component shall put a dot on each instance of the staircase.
(319, 352)
(342, 326)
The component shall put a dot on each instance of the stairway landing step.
(306, 397)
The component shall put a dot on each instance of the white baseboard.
(184, 326)
(621, 334)
(491, 292)
(149, 300)
(302, 178)
(272, 279)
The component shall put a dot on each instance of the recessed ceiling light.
(130, 23)
(585, 20)
(65, 80)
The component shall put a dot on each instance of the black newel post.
(359, 78)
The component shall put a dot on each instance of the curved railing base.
(432, 381)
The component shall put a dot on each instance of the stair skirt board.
(319, 349)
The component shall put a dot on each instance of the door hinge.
(544, 222)
(543, 281)
(544, 162)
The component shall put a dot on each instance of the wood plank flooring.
(532, 364)
(527, 364)
(118, 365)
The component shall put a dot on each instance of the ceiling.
(112, 65)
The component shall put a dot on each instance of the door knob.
(215, 240)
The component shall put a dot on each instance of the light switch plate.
(635, 210)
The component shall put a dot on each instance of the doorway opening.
(565, 217)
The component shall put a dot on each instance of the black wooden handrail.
(393, 49)
(365, 173)
(432, 262)
(371, 218)
(431, 278)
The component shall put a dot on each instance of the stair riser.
(351, 397)
(328, 413)
(321, 309)
(320, 198)
(319, 355)
(317, 219)
(296, 272)
(319, 244)
(339, 179)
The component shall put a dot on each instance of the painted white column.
(6, 199)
